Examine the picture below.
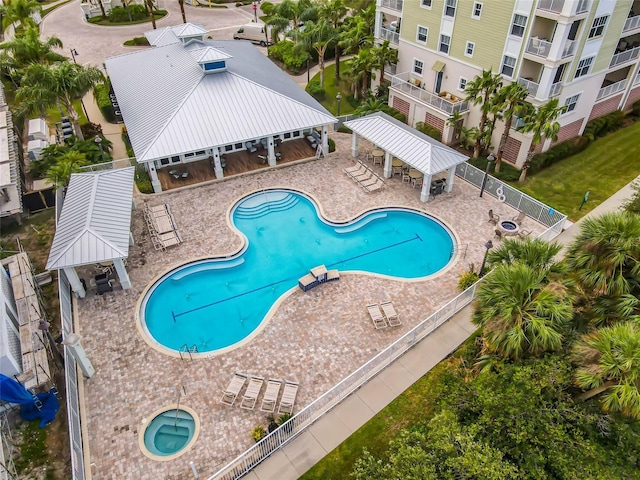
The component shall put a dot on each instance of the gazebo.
(94, 225)
(414, 148)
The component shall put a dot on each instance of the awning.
(438, 66)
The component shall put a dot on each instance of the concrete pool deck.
(316, 338)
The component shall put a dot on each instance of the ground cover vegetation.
(547, 389)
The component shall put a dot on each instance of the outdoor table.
(377, 154)
(413, 173)
(397, 165)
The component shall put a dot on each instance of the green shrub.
(466, 279)
(559, 152)
(343, 129)
(427, 129)
(599, 127)
(258, 433)
(332, 145)
(101, 94)
(142, 179)
(137, 41)
(635, 109)
(315, 90)
(131, 13)
(507, 172)
(284, 51)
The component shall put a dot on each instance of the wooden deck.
(237, 163)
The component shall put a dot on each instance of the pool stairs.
(280, 204)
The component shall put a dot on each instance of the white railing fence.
(625, 56)
(112, 165)
(555, 89)
(530, 85)
(631, 23)
(551, 5)
(400, 82)
(569, 48)
(392, 4)
(611, 89)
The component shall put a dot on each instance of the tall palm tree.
(356, 35)
(609, 360)
(334, 11)
(44, 86)
(482, 90)
(184, 17)
(317, 36)
(60, 173)
(521, 314)
(542, 122)
(28, 48)
(510, 100)
(19, 11)
(386, 55)
(360, 71)
(534, 252)
(296, 12)
(150, 5)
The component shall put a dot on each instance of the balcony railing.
(400, 83)
(583, 6)
(392, 4)
(539, 47)
(555, 89)
(569, 48)
(531, 86)
(625, 56)
(551, 5)
(390, 70)
(386, 34)
(631, 23)
(611, 89)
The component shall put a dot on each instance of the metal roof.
(209, 54)
(95, 220)
(169, 35)
(408, 144)
(189, 110)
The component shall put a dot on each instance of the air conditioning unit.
(38, 129)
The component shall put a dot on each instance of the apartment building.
(583, 52)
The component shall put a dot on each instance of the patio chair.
(522, 234)
(251, 395)
(405, 176)
(235, 385)
(288, 397)
(493, 218)
(376, 316)
(364, 178)
(390, 313)
(377, 185)
(498, 234)
(519, 218)
(104, 287)
(357, 169)
(249, 146)
(271, 395)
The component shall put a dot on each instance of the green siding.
(611, 35)
(413, 15)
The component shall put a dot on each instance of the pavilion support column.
(354, 145)
(157, 186)
(217, 166)
(272, 152)
(451, 175)
(74, 280)
(387, 165)
(133, 204)
(426, 188)
(131, 241)
(123, 276)
(325, 140)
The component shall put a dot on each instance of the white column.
(123, 276)
(545, 83)
(217, 166)
(74, 280)
(387, 165)
(451, 175)
(559, 40)
(425, 192)
(272, 153)
(151, 168)
(354, 145)
(325, 140)
(378, 23)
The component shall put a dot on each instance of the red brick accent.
(434, 121)
(608, 106)
(569, 131)
(634, 96)
(511, 150)
(401, 105)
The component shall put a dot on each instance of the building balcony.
(555, 6)
(402, 84)
(539, 47)
(530, 85)
(583, 6)
(391, 4)
(390, 69)
(623, 57)
(611, 89)
(631, 24)
(569, 48)
(388, 34)
(555, 89)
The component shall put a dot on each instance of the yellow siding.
(611, 35)
(413, 15)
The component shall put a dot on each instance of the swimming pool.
(216, 303)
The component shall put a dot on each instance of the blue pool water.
(169, 432)
(215, 303)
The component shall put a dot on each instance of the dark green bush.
(599, 127)
(284, 51)
(101, 94)
(427, 129)
(559, 152)
(635, 109)
(142, 179)
(131, 13)
(315, 90)
(137, 41)
(507, 172)
(332, 145)
(343, 129)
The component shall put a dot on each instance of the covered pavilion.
(94, 225)
(414, 148)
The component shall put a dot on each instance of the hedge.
(284, 51)
(101, 94)
(506, 173)
(427, 129)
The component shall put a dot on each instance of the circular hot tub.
(508, 227)
(170, 433)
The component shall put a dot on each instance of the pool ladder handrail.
(185, 349)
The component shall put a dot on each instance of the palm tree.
(317, 36)
(356, 35)
(60, 173)
(542, 123)
(28, 48)
(521, 314)
(45, 86)
(184, 17)
(19, 11)
(533, 252)
(334, 11)
(296, 12)
(149, 4)
(385, 56)
(481, 90)
(609, 360)
(510, 99)
(360, 71)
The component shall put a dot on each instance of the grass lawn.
(331, 91)
(158, 14)
(51, 9)
(603, 168)
(53, 114)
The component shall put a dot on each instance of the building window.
(164, 161)
(598, 26)
(425, 3)
(175, 159)
(418, 67)
(583, 67)
(296, 133)
(423, 32)
(462, 84)
(228, 148)
(477, 10)
(570, 103)
(445, 41)
(519, 25)
(468, 51)
(450, 8)
(508, 66)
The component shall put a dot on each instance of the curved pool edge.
(164, 458)
(148, 338)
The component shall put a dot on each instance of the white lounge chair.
(271, 395)
(358, 168)
(288, 397)
(390, 313)
(235, 385)
(376, 316)
(377, 185)
(251, 395)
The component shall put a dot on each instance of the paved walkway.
(295, 458)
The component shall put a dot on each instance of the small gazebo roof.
(94, 224)
(408, 144)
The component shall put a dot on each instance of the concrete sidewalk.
(298, 456)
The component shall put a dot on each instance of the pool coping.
(144, 424)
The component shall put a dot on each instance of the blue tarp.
(13, 392)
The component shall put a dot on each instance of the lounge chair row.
(270, 399)
(369, 180)
(385, 318)
(162, 226)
